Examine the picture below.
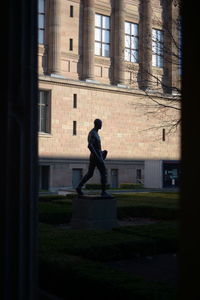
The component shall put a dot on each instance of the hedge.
(160, 213)
(95, 186)
(108, 245)
(131, 185)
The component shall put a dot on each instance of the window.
(131, 42)
(44, 111)
(41, 21)
(157, 48)
(75, 101)
(44, 175)
(77, 175)
(74, 127)
(70, 44)
(138, 175)
(102, 35)
(71, 11)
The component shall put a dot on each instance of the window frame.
(46, 129)
(102, 30)
(130, 36)
(158, 52)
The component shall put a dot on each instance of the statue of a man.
(97, 158)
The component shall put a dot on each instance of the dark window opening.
(74, 127)
(70, 44)
(44, 172)
(75, 101)
(76, 177)
(71, 11)
(138, 175)
(171, 174)
(163, 134)
(114, 178)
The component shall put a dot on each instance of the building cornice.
(94, 85)
(78, 160)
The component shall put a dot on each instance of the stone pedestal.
(93, 212)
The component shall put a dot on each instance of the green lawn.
(76, 258)
(66, 275)
(164, 206)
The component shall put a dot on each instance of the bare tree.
(164, 81)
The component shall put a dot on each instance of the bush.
(55, 212)
(95, 186)
(48, 198)
(131, 186)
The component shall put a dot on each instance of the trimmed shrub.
(48, 198)
(55, 212)
(131, 186)
(160, 213)
(95, 186)
(104, 245)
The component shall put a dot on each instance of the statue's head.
(98, 123)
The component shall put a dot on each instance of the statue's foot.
(106, 195)
(79, 191)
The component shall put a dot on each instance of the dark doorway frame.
(19, 147)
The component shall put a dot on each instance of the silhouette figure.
(97, 157)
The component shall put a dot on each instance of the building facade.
(112, 60)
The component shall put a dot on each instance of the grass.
(166, 200)
(74, 258)
(66, 275)
(74, 261)
(105, 245)
(164, 206)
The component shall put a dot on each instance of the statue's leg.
(103, 172)
(87, 176)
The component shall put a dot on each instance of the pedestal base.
(93, 212)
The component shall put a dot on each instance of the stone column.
(88, 39)
(146, 61)
(119, 73)
(54, 59)
(168, 47)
